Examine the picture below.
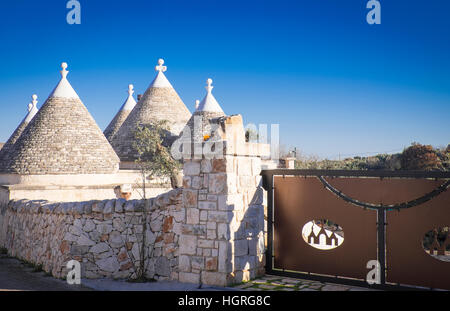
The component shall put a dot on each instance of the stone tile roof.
(62, 138)
(159, 102)
(32, 110)
(121, 116)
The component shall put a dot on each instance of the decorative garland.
(399, 206)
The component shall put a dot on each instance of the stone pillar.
(222, 240)
(288, 162)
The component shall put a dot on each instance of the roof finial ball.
(64, 72)
(160, 66)
(130, 89)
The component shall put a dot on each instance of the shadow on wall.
(246, 248)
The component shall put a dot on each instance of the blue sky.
(335, 84)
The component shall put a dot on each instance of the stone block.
(109, 207)
(256, 166)
(246, 182)
(187, 182)
(211, 264)
(211, 234)
(179, 215)
(245, 166)
(207, 205)
(214, 278)
(190, 198)
(185, 277)
(162, 266)
(217, 183)
(118, 207)
(220, 216)
(241, 247)
(203, 215)
(224, 256)
(184, 263)
(223, 231)
(115, 239)
(83, 240)
(193, 229)
(167, 224)
(197, 262)
(206, 166)
(109, 264)
(88, 226)
(99, 248)
(197, 182)
(192, 216)
(104, 228)
(118, 224)
(191, 168)
(188, 245)
(219, 165)
(205, 243)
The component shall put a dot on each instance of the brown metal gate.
(384, 216)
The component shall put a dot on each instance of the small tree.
(420, 157)
(154, 161)
(154, 158)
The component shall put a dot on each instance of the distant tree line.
(415, 157)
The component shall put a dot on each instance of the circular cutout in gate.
(323, 234)
(436, 243)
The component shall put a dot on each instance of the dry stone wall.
(104, 236)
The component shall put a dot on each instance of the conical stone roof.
(159, 102)
(207, 113)
(121, 116)
(32, 110)
(62, 138)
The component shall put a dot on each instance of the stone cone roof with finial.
(121, 116)
(159, 102)
(32, 110)
(206, 115)
(62, 138)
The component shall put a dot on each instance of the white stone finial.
(209, 86)
(160, 66)
(33, 102)
(64, 72)
(197, 103)
(130, 89)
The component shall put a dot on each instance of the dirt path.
(16, 276)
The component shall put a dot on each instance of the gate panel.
(299, 200)
(407, 261)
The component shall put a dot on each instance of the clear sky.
(335, 84)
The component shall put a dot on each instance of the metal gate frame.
(268, 185)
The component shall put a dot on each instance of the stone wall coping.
(62, 187)
(161, 201)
